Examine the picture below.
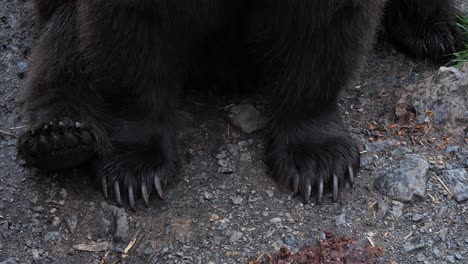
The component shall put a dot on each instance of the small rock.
(35, 255)
(221, 155)
(289, 239)
(34, 199)
(246, 117)
(236, 235)
(56, 221)
(22, 68)
(214, 217)
(10, 260)
(207, 196)
(237, 200)
(233, 149)
(37, 209)
(383, 208)
(457, 180)
(413, 243)
(397, 209)
(52, 235)
(341, 217)
(72, 222)
(452, 149)
(417, 217)
(121, 224)
(450, 259)
(270, 193)
(461, 197)
(275, 220)
(246, 157)
(406, 180)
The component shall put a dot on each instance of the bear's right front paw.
(57, 145)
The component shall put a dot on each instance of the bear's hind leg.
(314, 47)
(424, 28)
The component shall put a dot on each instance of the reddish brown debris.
(333, 249)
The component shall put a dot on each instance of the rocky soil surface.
(410, 199)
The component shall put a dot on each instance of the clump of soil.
(333, 249)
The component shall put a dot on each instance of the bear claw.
(145, 191)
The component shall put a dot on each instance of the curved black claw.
(131, 197)
(320, 189)
(307, 192)
(335, 188)
(57, 145)
(144, 194)
(351, 176)
(118, 197)
(157, 185)
(296, 184)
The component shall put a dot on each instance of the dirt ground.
(211, 217)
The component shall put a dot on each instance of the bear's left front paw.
(316, 159)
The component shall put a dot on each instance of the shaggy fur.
(107, 75)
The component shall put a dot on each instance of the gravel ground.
(225, 209)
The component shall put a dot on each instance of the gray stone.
(461, 196)
(405, 180)
(10, 260)
(121, 224)
(414, 243)
(417, 217)
(381, 145)
(275, 220)
(52, 235)
(341, 217)
(235, 235)
(237, 200)
(289, 239)
(457, 180)
(397, 209)
(72, 222)
(247, 118)
(450, 259)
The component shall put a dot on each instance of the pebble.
(35, 255)
(417, 217)
(397, 209)
(461, 197)
(289, 239)
(121, 224)
(275, 220)
(450, 259)
(413, 243)
(72, 222)
(52, 235)
(214, 217)
(207, 195)
(237, 200)
(246, 117)
(10, 260)
(341, 217)
(235, 235)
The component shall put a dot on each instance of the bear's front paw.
(57, 145)
(315, 158)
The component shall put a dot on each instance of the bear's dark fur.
(106, 77)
